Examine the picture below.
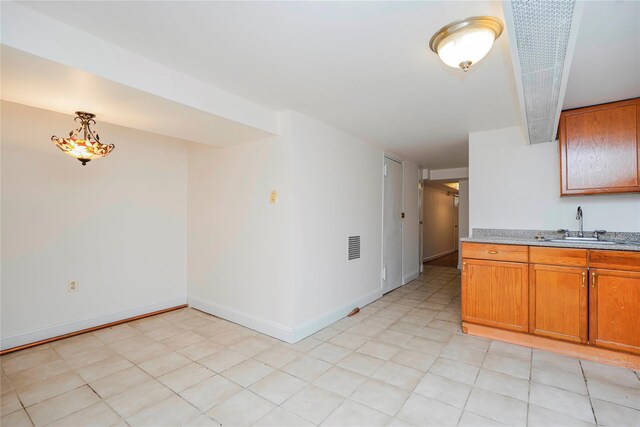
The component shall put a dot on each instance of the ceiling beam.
(542, 38)
(29, 31)
(440, 174)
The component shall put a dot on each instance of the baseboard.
(256, 323)
(409, 277)
(314, 325)
(441, 254)
(579, 351)
(49, 332)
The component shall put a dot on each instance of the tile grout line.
(474, 383)
(529, 393)
(52, 397)
(586, 385)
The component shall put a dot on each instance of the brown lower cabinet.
(590, 297)
(559, 302)
(614, 309)
(495, 293)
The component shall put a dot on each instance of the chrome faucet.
(579, 218)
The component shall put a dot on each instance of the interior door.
(392, 226)
(421, 223)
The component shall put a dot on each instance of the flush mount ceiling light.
(465, 42)
(83, 143)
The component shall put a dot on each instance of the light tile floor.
(401, 361)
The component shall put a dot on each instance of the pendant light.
(83, 143)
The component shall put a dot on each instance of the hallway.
(450, 260)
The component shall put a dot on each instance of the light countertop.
(526, 237)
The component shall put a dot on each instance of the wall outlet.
(73, 286)
(273, 198)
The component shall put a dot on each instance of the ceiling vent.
(354, 247)
(542, 37)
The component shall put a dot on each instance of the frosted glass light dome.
(465, 42)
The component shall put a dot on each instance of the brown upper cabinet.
(600, 149)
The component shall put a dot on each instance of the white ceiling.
(606, 60)
(363, 67)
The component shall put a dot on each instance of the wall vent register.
(354, 247)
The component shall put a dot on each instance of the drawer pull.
(493, 252)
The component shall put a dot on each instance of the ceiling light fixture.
(89, 146)
(465, 42)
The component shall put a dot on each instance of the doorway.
(441, 223)
(392, 226)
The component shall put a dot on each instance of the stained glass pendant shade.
(83, 143)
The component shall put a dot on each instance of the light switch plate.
(274, 197)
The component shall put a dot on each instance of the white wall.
(161, 218)
(337, 188)
(463, 212)
(411, 223)
(239, 245)
(438, 227)
(517, 186)
(117, 225)
(463, 208)
(282, 269)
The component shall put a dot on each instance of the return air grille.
(542, 35)
(354, 247)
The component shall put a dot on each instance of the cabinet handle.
(493, 252)
(593, 279)
(464, 265)
(584, 279)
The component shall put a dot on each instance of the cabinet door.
(558, 302)
(600, 149)
(614, 310)
(495, 294)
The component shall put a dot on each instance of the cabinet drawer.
(614, 260)
(514, 253)
(558, 256)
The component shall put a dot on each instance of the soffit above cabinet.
(542, 40)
